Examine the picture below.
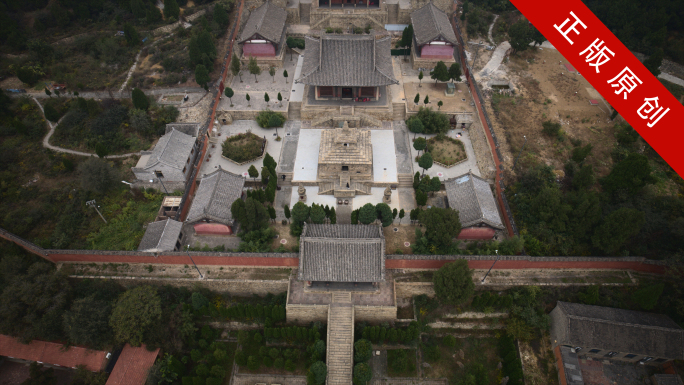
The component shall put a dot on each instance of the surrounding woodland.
(648, 27)
(44, 192)
(77, 42)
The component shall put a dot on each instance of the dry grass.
(394, 240)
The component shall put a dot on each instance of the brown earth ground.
(546, 91)
(394, 240)
(283, 233)
(436, 93)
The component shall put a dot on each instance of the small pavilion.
(347, 67)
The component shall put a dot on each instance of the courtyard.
(257, 87)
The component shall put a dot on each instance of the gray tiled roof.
(161, 236)
(172, 150)
(573, 373)
(471, 196)
(347, 60)
(431, 23)
(619, 330)
(268, 21)
(216, 193)
(342, 253)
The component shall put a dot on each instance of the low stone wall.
(232, 286)
(303, 314)
(232, 115)
(526, 262)
(375, 314)
(409, 289)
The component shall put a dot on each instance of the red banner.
(613, 71)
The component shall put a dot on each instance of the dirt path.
(495, 61)
(137, 58)
(46, 140)
(491, 26)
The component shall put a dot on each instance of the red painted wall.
(484, 233)
(258, 50)
(437, 52)
(177, 259)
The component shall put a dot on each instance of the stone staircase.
(405, 180)
(339, 188)
(340, 356)
(362, 188)
(326, 188)
(304, 13)
(398, 111)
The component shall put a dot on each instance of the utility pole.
(490, 269)
(193, 262)
(94, 205)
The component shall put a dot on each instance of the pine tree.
(286, 208)
(171, 9)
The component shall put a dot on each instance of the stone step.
(340, 358)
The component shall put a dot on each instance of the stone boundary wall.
(409, 289)
(375, 313)
(232, 286)
(304, 314)
(526, 262)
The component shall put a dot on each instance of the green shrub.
(433, 121)
(294, 42)
(552, 129)
(432, 353)
(362, 350)
(399, 361)
(362, 374)
(243, 147)
(449, 341)
(269, 119)
(647, 297)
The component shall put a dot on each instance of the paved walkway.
(46, 140)
(495, 61)
(340, 357)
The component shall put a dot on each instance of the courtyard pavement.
(256, 90)
(402, 143)
(384, 156)
(297, 90)
(462, 168)
(240, 126)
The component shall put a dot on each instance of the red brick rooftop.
(132, 366)
(52, 353)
